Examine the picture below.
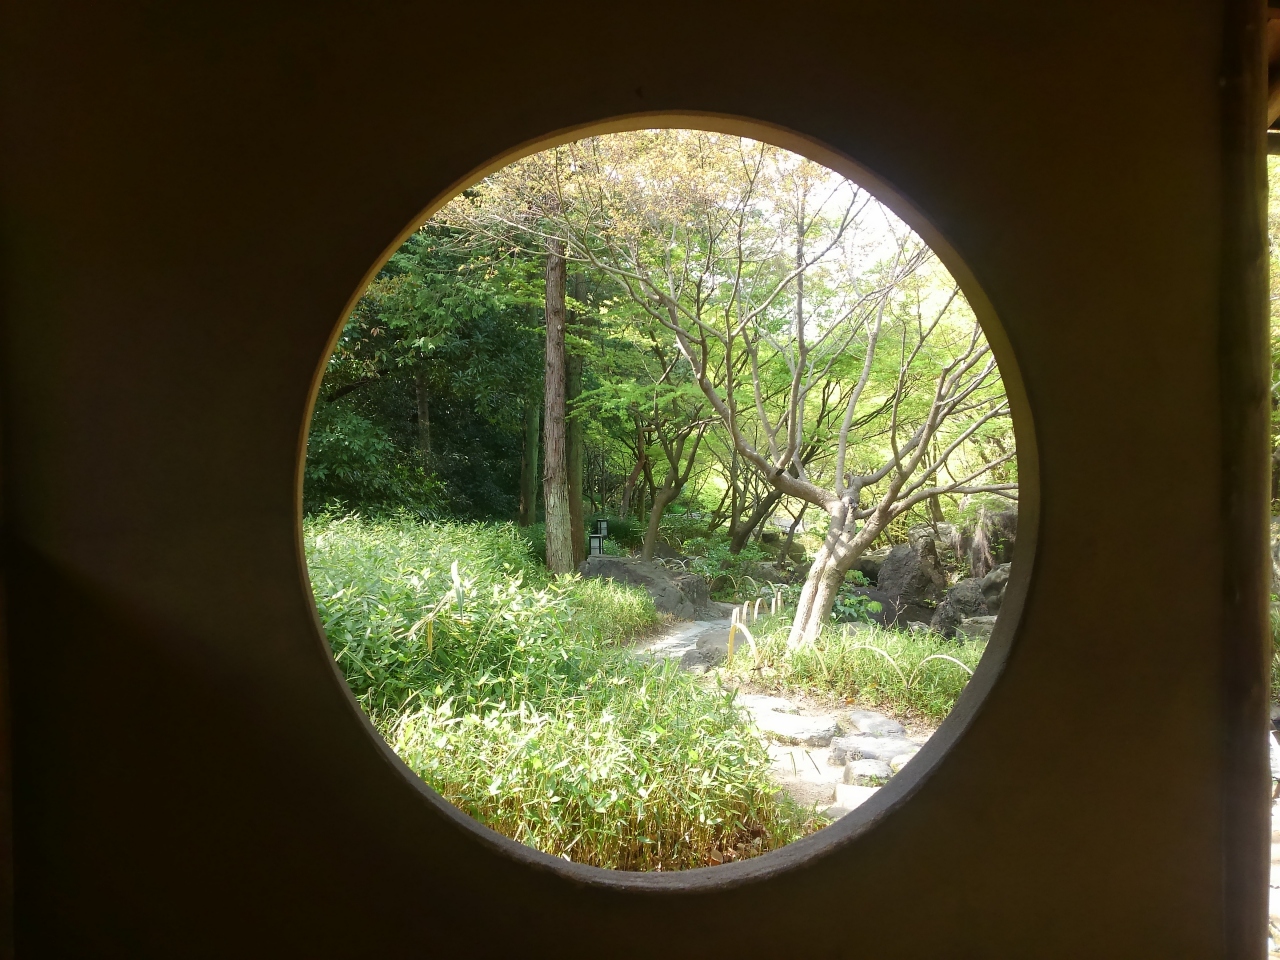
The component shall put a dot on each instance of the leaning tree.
(783, 286)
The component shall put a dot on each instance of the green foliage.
(626, 532)
(535, 538)
(684, 531)
(351, 462)
(454, 319)
(641, 770)
(513, 696)
(731, 575)
(905, 673)
(853, 607)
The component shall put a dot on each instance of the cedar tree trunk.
(555, 474)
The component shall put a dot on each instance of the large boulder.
(776, 547)
(994, 585)
(946, 620)
(766, 573)
(664, 551)
(912, 578)
(681, 595)
(869, 563)
(944, 537)
(967, 597)
(963, 601)
(989, 541)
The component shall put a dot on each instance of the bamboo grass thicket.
(514, 696)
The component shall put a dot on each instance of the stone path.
(697, 644)
(831, 761)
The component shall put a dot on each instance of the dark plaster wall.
(192, 194)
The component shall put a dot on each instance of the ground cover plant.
(513, 694)
(909, 674)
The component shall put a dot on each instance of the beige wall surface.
(193, 194)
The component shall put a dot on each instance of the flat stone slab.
(758, 701)
(870, 748)
(874, 724)
(848, 798)
(858, 770)
(804, 774)
(789, 728)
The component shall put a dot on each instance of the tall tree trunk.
(599, 502)
(424, 417)
(529, 462)
(573, 431)
(628, 488)
(834, 559)
(742, 531)
(648, 489)
(791, 534)
(662, 498)
(737, 494)
(555, 473)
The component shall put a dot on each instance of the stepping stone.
(874, 724)
(857, 770)
(789, 728)
(756, 702)
(849, 798)
(897, 763)
(804, 774)
(870, 748)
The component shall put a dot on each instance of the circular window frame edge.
(899, 791)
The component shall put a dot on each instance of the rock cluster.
(682, 595)
(912, 577)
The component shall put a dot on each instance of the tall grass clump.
(514, 696)
(906, 673)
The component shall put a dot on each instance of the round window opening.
(660, 498)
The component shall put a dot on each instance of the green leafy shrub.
(851, 606)
(513, 695)
(641, 769)
(535, 538)
(351, 462)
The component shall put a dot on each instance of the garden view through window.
(660, 498)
